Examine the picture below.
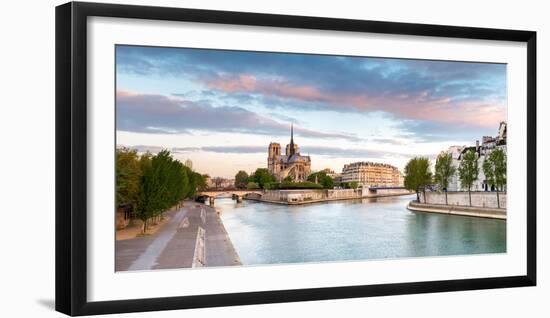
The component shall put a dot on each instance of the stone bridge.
(236, 194)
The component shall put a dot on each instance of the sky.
(222, 108)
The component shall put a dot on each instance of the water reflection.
(353, 230)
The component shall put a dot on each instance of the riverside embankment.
(479, 204)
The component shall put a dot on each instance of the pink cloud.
(147, 112)
(419, 106)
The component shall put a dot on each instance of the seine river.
(265, 233)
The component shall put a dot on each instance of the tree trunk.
(446, 201)
(470, 195)
(417, 196)
(498, 200)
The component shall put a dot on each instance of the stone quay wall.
(386, 192)
(479, 199)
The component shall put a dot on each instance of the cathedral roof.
(295, 157)
(298, 158)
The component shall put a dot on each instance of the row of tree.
(419, 176)
(151, 184)
(257, 180)
(263, 179)
(321, 178)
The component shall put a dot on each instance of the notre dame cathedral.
(291, 164)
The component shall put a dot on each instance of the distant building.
(488, 144)
(336, 177)
(222, 183)
(329, 172)
(292, 164)
(372, 174)
(209, 182)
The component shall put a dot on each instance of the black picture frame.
(71, 157)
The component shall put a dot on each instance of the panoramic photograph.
(245, 158)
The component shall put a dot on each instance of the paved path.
(194, 237)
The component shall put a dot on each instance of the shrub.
(252, 186)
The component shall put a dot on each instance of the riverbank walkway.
(194, 236)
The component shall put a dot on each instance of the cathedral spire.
(291, 139)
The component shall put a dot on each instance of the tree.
(468, 171)
(194, 180)
(444, 171)
(498, 157)
(197, 182)
(417, 174)
(262, 176)
(206, 178)
(164, 182)
(128, 174)
(153, 184)
(353, 185)
(494, 168)
(252, 186)
(321, 178)
(241, 179)
(201, 181)
(327, 182)
(287, 179)
(147, 192)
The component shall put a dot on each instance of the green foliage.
(196, 182)
(349, 185)
(201, 185)
(288, 179)
(241, 179)
(468, 169)
(161, 184)
(444, 170)
(261, 176)
(128, 174)
(417, 173)
(153, 184)
(322, 179)
(489, 171)
(494, 168)
(252, 186)
(273, 186)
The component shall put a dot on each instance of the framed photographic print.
(209, 158)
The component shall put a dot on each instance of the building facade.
(221, 183)
(488, 145)
(372, 174)
(291, 164)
